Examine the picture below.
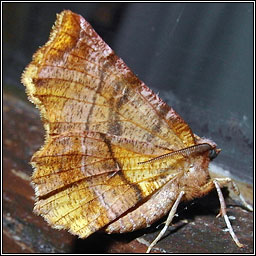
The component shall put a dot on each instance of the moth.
(116, 157)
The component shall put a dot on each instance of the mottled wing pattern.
(100, 121)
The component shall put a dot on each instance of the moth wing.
(79, 84)
(85, 181)
(100, 121)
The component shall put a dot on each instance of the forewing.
(78, 83)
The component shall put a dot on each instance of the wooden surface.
(24, 232)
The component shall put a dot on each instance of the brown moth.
(116, 157)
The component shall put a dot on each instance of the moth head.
(214, 151)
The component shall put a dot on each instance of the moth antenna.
(195, 149)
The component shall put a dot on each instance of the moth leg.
(168, 221)
(221, 182)
(224, 213)
(225, 181)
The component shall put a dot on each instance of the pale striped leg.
(234, 187)
(223, 212)
(168, 221)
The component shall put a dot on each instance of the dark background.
(198, 56)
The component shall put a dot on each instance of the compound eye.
(212, 153)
